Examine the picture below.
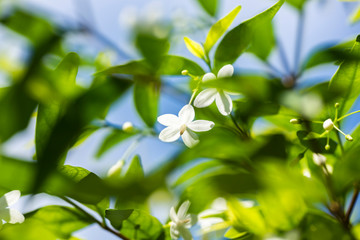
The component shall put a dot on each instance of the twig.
(352, 205)
(298, 44)
(103, 225)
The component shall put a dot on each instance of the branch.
(103, 225)
(352, 205)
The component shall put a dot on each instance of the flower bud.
(327, 147)
(295, 121)
(328, 125)
(127, 127)
(349, 138)
(337, 105)
(115, 170)
(184, 72)
(319, 159)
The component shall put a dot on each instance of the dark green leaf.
(242, 35)
(135, 224)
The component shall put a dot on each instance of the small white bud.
(127, 127)
(115, 170)
(328, 125)
(319, 159)
(349, 138)
(295, 121)
(306, 173)
(184, 72)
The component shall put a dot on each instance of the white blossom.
(183, 125)
(222, 98)
(319, 159)
(7, 214)
(180, 222)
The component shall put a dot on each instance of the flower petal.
(208, 77)
(226, 71)
(201, 125)
(174, 232)
(205, 98)
(224, 103)
(170, 134)
(168, 120)
(186, 114)
(16, 216)
(174, 218)
(185, 233)
(9, 198)
(190, 138)
(182, 212)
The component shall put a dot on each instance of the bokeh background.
(110, 26)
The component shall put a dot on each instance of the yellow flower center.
(182, 129)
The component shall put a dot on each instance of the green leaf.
(246, 218)
(259, 47)
(115, 137)
(48, 114)
(173, 65)
(347, 79)
(210, 6)
(146, 98)
(298, 4)
(335, 53)
(135, 224)
(242, 35)
(355, 16)
(195, 48)
(219, 28)
(152, 48)
(132, 68)
(17, 102)
(36, 29)
(319, 225)
(50, 223)
(85, 108)
(135, 171)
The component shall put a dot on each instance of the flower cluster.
(184, 125)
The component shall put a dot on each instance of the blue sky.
(325, 22)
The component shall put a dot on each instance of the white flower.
(127, 127)
(184, 126)
(222, 98)
(328, 125)
(8, 214)
(180, 222)
(319, 159)
(208, 218)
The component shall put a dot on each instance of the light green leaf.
(219, 28)
(242, 35)
(356, 15)
(132, 68)
(347, 80)
(243, 218)
(210, 6)
(195, 48)
(146, 98)
(135, 224)
(173, 65)
(135, 171)
(232, 233)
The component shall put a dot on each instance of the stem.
(283, 57)
(349, 114)
(298, 44)
(238, 127)
(352, 205)
(103, 225)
